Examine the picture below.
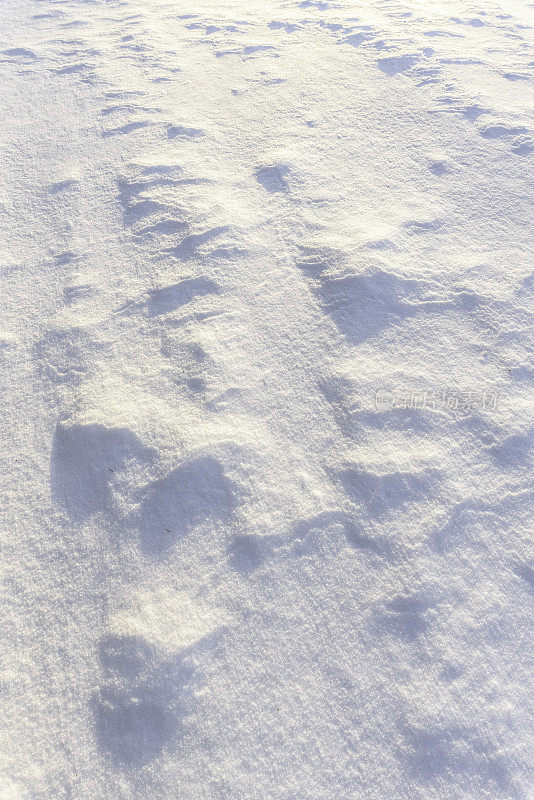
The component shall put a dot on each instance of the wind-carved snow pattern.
(229, 571)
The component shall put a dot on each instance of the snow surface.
(230, 569)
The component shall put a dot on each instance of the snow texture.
(267, 412)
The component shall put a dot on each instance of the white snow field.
(266, 390)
